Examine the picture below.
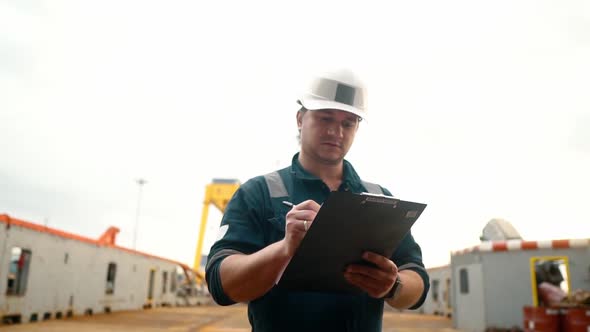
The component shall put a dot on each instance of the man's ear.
(299, 119)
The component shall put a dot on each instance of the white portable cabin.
(47, 273)
(438, 300)
(492, 281)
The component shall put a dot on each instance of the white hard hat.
(340, 90)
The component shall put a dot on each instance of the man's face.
(327, 135)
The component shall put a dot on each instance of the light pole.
(140, 183)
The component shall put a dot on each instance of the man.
(259, 235)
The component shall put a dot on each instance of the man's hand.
(248, 277)
(298, 221)
(377, 280)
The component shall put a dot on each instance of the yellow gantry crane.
(218, 193)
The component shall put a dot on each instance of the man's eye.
(348, 124)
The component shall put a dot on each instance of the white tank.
(499, 230)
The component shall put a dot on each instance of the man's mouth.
(333, 144)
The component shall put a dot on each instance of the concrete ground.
(210, 318)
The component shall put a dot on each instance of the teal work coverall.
(253, 220)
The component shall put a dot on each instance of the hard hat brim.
(314, 104)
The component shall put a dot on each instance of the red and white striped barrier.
(515, 245)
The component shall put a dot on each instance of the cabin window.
(173, 281)
(164, 281)
(463, 281)
(435, 287)
(18, 271)
(551, 280)
(111, 274)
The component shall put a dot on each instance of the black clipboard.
(346, 225)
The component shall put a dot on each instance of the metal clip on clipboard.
(378, 198)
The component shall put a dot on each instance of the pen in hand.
(291, 205)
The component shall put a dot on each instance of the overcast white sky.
(479, 109)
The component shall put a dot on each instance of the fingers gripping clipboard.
(347, 225)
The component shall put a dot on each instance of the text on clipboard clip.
(379, 199)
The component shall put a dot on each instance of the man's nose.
(335, 130)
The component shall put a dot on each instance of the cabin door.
(468, 293)
(151, 285)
